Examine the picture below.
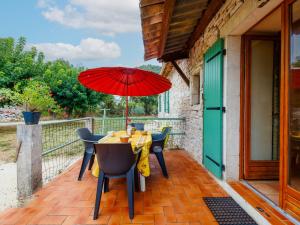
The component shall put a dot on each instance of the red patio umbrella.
(124, 82)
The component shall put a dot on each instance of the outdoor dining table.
(137, 140)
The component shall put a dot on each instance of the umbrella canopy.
(124, 82)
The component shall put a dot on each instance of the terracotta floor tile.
(49, 220)
(191, 217)
(64, 211)
(153, 210)
(144, 219)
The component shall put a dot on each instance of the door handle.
(216, 108)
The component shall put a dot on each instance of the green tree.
(74, 98)
(149, 103)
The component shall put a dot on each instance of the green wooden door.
(213, 109)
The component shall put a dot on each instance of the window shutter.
(168, 102)
(159, 103)
(165, 102)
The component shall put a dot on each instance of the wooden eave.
(171, 27)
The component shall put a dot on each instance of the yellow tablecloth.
(137, 139)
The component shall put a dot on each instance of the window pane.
(264, 90)
(294, 92)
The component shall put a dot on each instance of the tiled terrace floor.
(173, 201)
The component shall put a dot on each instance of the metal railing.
(62, 147)
(153, 124)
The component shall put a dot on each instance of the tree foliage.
(148, 103)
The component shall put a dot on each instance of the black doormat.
(227, 211)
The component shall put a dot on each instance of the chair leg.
(106, 184)
(136, 180)
(91, 161)
(85, 161)
(161, 161)
(98, 194)
(130, 192)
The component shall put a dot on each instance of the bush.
(8, 97)
(36, 96)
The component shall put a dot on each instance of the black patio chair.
(89, 154)
(157, 147)
(158, 136)
(116, 160)
(138, 126)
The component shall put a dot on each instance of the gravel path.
(8, 186)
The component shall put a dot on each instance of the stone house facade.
(234, 20)
(241, 55)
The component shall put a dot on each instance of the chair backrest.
(115, 159)
(138, 126)
(166, 134)
(85, 134)
(166, 131)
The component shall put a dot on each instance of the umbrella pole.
(126, 112)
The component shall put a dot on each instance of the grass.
(7, 144)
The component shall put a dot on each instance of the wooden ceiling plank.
(150, 11)
(184, 3)
(174, 44)
(187, 29)
(189, 14)
(167, 51)
(144, 3)
(183, 23)
(183, 38)
(152, 20)
(181, 18)
(190, 8)
(152, 35)
(151, 29)
(174, 56)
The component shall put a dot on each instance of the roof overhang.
(171, 27)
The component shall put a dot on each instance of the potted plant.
(36, 98)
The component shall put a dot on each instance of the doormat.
(227, 211)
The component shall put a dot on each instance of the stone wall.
(10, 114)
(180, 94)
(180, 106)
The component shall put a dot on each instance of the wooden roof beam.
(181, 73)
(207, 16)
(168, 12)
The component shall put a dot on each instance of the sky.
(90, 33)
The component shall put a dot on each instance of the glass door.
(291, 107)
(262, 107)
(294, 98)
